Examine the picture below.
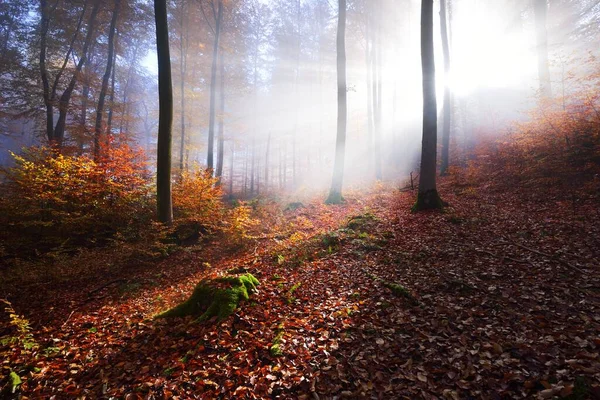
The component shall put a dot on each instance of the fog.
(277, 73)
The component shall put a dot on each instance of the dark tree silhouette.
(428, 197)
(165, 119)
(335, 194)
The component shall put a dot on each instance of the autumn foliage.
(197, 198)
(51, 200)
(558, 147)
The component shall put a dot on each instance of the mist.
(277, 77)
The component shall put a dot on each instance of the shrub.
(559, 147)
(50, 200)
(197, 199)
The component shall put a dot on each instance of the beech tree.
(218, 16)
(428, 197)
(335, 194)
(541, 12)
(107, 74)
(447, 95)
(55, 133)
(165, 119)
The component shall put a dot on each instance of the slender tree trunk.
(213, 89)
(44, 26)
(280, 151)
(111, 100)
(541, 13)
(63, 105)
(335, 194)
(378, 100)
(253, 167)
(165, 93)
(221, 133)
(105, 79)
(124, 123)
(231, 160)
(50, 94)
(296, 97)
(369, 61)
(182, 72)
(447, 96)
(245, 191)
(267, 162)
(428, 197)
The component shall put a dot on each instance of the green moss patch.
(397, 289)
(290, 293)
(217, 297)
(361, 222)
(275, 349)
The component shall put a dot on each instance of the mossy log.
(218, 297)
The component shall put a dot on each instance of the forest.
(300, 199)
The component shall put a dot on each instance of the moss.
(215, 298)
(330, 240)
(362, 221)
(397, 289)
(290, 293)
(335, 197)
(15, 381)
(275, 349)
(429, 200)
(294, 206)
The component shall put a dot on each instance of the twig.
(68, 318)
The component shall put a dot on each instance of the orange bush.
(197, 199)
(50, 200)
(558, 147)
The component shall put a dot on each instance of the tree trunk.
(213, 88)
(378, 68)
(111, 100)
(541, 13)
(447, 96)
(231, 159)
(267, 162)
(50, 94)
(335, 194)
(369, 60)
(165, 119)
(428, 197)
(182, 72)
(63, 105)
(105, 80)
(253, 167)
(44, 25)
(221, 133)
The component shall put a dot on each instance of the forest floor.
(496, 297)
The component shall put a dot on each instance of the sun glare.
(488, 52)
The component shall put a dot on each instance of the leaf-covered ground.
(497, 297)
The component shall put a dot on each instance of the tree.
(165, 119)
(55, 133)
(335, 194)
(541, 13)
(428, 197)
(221, 133)
(447, 96)
(105, 79)
(218, 15)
